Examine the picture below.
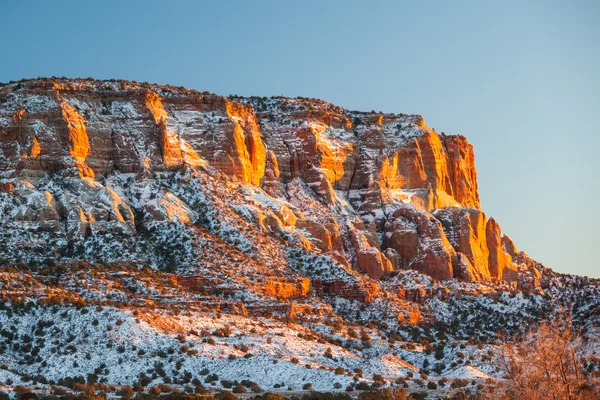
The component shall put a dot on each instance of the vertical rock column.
(79, 146)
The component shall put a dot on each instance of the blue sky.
(520, 79)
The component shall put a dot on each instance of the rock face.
(419, 240)
(465, 228)
(500, 263)
(91, 162)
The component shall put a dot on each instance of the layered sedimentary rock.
(372, 192)
(478, 239)
(419, 240)
(466, 231)
(501, 264)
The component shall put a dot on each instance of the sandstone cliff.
(94, 169)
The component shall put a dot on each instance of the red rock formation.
(464, 270)
(369, 258)
(248, 151)
(35, 148)
(466, 230)
(410, 166)
(463, 174)
(370, 190)
(479, 240)
(324, 237)
(271, 182)
(419, 240)
(79, 146)
(509, 246)
(422, 294)
(435, 161)
(364, 292)
(500, 264)
(169, 141)
(412, 316)
(287, 290)
(373, 263)
(168, 207)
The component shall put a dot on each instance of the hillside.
(158, 235)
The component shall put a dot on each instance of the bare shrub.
(547, 363)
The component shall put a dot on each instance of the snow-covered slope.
(152, 234)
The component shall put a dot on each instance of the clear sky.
(520, 79)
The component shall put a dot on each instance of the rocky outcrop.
(369, 258)
(373, 263)
(78, 143)
(508, 246)
(324, 237)
(333, 149)
(419, 240)
(500, 263)
(288, 290)
(462, 172)
(464, 270)
(168, 207)
(6, 187)
(39, 209)
(466, 231)
(247, 150)
(479, 240)
(168, 140)
(363, 292)
(85, 208)
(375, 192)
(422, 294)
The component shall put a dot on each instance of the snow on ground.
(467, 372)
(119, 346)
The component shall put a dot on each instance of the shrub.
(271, 396)
(378, 379)
(79, 387)
(226, 384)
(22, 391)
(458, 383)
(155, 391)
(165, 388)
(58, 391)
(548, 359)
(126, 392)
(239, 389)
(384, 394)
(224, 395)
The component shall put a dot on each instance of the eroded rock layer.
(109, 170)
